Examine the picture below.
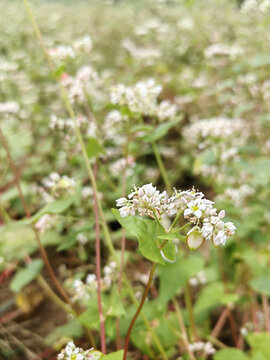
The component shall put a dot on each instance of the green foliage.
(24, 276)
(174, 276)
(146, 231)
(118, 355)
(260, 343)
(94, 148)
(261, 285)
(235, 354)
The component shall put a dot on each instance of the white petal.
(194, 240)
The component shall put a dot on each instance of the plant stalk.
(98, 272)
(183, 328)
(139, 309)
(161, 167)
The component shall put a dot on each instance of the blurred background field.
(206, 65)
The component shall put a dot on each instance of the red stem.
(266, 311)
(98, 272)
(139, 309)
(123, 247)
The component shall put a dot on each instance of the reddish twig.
(98, 272)
(139, 309)
(220, 323)
(266, 311)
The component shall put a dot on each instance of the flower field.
(135, 180)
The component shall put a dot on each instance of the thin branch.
(98, 272)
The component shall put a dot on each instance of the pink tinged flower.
(207, 230)
(229, 228)
(121, 201)
(194, 238)
(219, 238)
(126, 211)
(221, 214)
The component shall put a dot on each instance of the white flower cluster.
(45, 222)
(199, 279)
(110, 273)
(83, 44)
(207, 222)
(58, 185)
(153, 24)
(205, 348)
(71, 352)
(83, 291)
(237, 195)
(66, 128)
(142, 98)
(112, 124)
(251, 5)
(61, 52)
(219, 49)
(119, 165)
(66, 124)
(217, 128)
(9, 107)
(147, 55)
(85, 80)
(82, 239)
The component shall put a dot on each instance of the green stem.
(182, 228)
(182, 327)
(4, 214)
(161, 167)
(175, 220)
(192, 324)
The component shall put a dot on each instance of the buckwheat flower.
(195, 208)
(71, 352)
(82, 239)
(84, 44)
(166, 110)
(219, 238)
(249, 5)
(91, 279)
(194, 238)
(9, 107)
(207, 230)
(229, 228)
(61, 52)
(45, 222)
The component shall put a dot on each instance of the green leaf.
(174, 276)
(261, 285)
(146, 231)
(70, 330)
(230, 353)
(67, 243)
(59, 71)
(26, 275)
(141, 127)
(171, 237)
(160, 131)
(209, 297)
(55, 208)
(118, 355)
(169, 251)
(260, 342)
(90, 318)
(115, 306)
(94, 148)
